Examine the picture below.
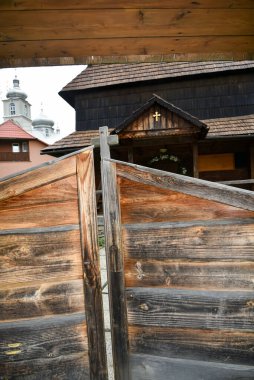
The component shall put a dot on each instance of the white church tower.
(17, 108)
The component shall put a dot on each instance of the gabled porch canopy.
(57, 32)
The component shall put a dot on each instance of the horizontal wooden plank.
(40, 230)
(41, 300)
(34, 25)
(182, 274)
(149, 367)
(33, 179)
(205, 240)
(54, 347)
(192, 186)
(154, 204)
(80, 59)
(191, 309)
(27, 210)
(200, 46)
(108, 4)
(39, 258)
(205, 345)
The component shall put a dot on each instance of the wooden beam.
(114, 262)
(195, 160)
(252, 163)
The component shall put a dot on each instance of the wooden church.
(195, 119)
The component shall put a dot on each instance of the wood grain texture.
(149, 367)
(91, 264)
(29, 258)
(14, 5)
(190, 309)
(224, 346)
(123, 23)
(32, 179)
(184, 274)
(210, 240)
(154, 204)
(112, 226)
(191, 186)
(42, 299)
(45, 348)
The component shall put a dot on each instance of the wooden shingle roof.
(114, 74)
(223, 127)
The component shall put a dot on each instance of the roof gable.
(10, 130)
(157, 116)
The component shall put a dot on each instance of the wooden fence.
(181, 274)
(50, 292)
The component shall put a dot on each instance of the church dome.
(16, 91)
(42, 121)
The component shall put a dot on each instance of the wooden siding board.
(225, 346)
(42, 257)
(190, 308)
(208, 240)
(149, 367)
(182, 274)
(42, 348)
(42, 299)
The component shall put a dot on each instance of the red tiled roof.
(109, 75)
(10, 130)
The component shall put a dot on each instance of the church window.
(47, 132)
(26, 110)
(15, 148)
(25, 146)
(12, 109)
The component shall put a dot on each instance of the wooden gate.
(181, 274)
(50, 294)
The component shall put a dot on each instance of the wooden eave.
(58, 32)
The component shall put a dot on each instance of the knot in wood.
(144, 306)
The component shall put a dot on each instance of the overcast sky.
(42, 85)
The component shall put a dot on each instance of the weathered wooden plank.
(153, 204)
(40, 257)
(111, 4)
(149, 367)
(223, 346)
(191, 309)
(220, 46)
(31, 301)
(90, 254)
(34, 25)
(115, 268)
(43, 348)
(32, 179)
(192, 186)
(217, 275)
(210, 240)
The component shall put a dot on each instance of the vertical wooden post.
(130, 155)
(92, 280)
(195, 160)
(112, 224)
(252, 164)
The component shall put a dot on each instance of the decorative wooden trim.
(90, 252)
(114, 262)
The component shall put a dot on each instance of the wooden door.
(50, 293)
(181, 270)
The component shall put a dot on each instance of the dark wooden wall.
(50, 294)
(205, 97)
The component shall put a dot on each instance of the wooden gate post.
(112, 224)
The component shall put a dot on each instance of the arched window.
(47, 132)
(26, 110)
(12, 109)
